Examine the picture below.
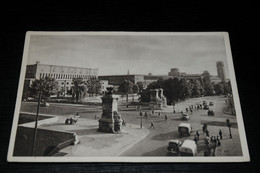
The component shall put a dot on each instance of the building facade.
(221, 71)
(63, 74)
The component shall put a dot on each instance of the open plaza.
(136, 137)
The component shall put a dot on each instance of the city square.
(75, 103)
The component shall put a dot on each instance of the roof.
(175, 141)
(184, 125)
(188, 144)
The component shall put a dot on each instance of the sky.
(140, 54)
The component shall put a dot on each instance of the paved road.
(156, 142)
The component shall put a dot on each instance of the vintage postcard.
(127, 97)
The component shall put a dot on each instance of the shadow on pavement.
(84, 132)
(219, 123)
(165, 136)
(162, 151)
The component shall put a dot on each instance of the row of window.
(66, 76)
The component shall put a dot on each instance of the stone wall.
(47, 140)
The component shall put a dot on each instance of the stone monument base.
(106, 125)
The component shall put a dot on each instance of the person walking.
(196, 139)
(152, 125)
(165, 117)
(197, 134)
(123, 123)
(220, 133)
(207, 133)
(145, 115)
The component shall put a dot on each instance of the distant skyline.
(140, 54)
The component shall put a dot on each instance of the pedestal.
(110, 121)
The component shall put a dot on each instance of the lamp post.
(141, 119)
(229, 127)
(36, 121)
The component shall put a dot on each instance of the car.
(45, 104)
(30, 99)
(188, 148)
(185, 117)
(174, 147)
(211, 113)
(211, 103)
(184, 129)
(204, 102)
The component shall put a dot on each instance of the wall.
(47, 140)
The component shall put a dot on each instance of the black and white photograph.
(127, 97)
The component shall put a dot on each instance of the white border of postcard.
(244, 158)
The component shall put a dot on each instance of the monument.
(157, 99)
(110, 120)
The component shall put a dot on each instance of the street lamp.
(141, 119)
(36, 121)
(229, 127)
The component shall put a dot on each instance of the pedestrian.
(77, 115)
(207, 141)
(204, 127)
(141, 114)
(220, 133)
(159, 113)
(187, 110)
(207, 133)
(152, 125)
(145, 115)
(218, 142)
(197, 134)
(123, 123)
(152, 111)
(165, 117)
(195, 139)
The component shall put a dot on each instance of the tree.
(219, 89)
(184, 88)
(94, 86)
(140, 86)
(196, 89)
(172, 90)
(144, 96)
(209, 89)
(135, 88)
(77, 89)
(227, 88)
(126, 87)
(48, 85)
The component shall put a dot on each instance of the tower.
(221, 71)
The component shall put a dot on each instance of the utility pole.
(36, 121)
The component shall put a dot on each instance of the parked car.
(184, 129)
(211, 103)
(204, 102)
(30, 99)
(188, 148)
(45, 104)
(174, 147)
(185, 117)
(211, 113)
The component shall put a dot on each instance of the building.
(63, 74)
(221, 71)
(116, 80)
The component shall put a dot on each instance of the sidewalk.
(94, 143)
